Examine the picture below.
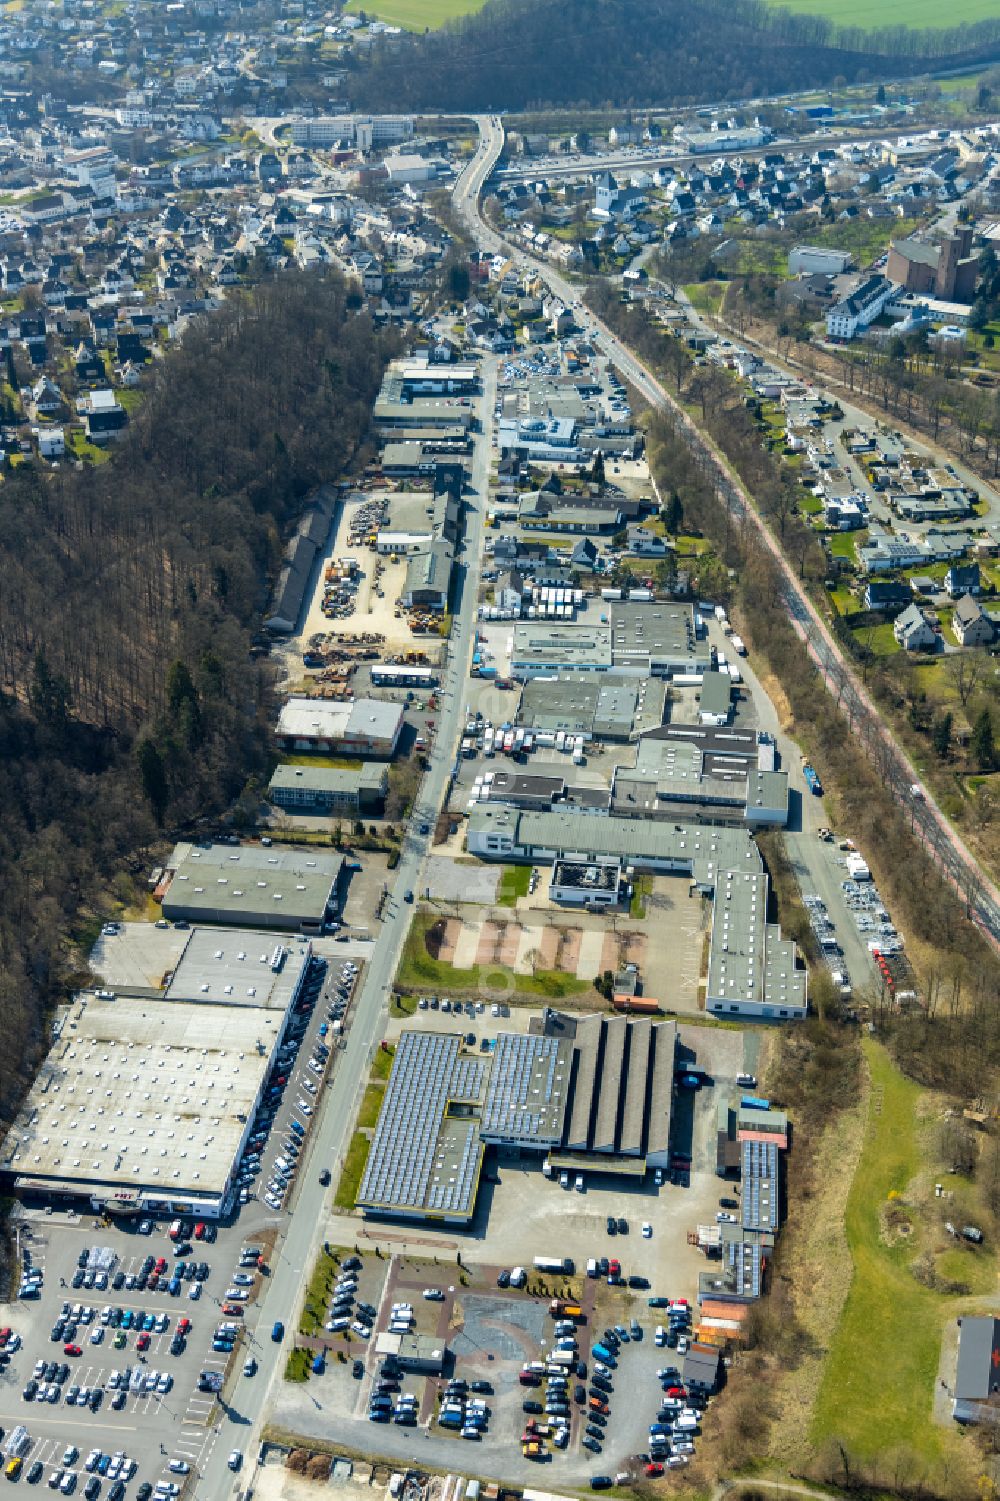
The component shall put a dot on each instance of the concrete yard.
(139, 955)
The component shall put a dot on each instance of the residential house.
(912, 630)
(971, 624)
(962, 578)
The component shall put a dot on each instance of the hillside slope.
(518, 54)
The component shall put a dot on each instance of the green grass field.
(513, 884)
(417, 15)
(890, 1320)
(895, 12)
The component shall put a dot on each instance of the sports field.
(416, 15)
(871, 14)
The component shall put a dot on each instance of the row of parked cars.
(464, 1409)
(346, 1311)
(153, 1275)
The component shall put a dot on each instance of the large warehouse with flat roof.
(589, 1093)
(250, 886)
(143, 1106)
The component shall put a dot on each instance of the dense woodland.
(130, 703)
(520, 54)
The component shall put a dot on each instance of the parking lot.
(100, 1358)
(493, 1331)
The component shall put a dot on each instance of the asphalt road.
(251, 1398)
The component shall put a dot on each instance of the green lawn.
(370, 1107)
(706, 296)
(317, 1296)
(354, 1165)
(890, 1322)
(872, 14)
(419, 971)
(841, 545)
(878, 639)
(298, 1365)
(417, 15)
(382, 1062)
(810, 505)
(513, 884)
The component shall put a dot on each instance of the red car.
(614, 1268)
(72, 1350)
(199, 1230)
(160, 1265)
(676, 1391)
(142, 1343)
(183, 1325)
(654, 1469)
(233, 1310)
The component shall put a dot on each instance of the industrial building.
(249, 886)
(621, 1096)
(143, 1106)
(354, 791)
(615, 709)
(308, 541)
(701, 777)
(361, 727)
(239, 967)
(587, 1093)
(641, 639)
(752, 972)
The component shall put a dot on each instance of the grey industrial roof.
(424, 1160)
(657, 631)
(554, 644)
(977, 1377)
(528, 1089)
(236, 967)
(144, 1095)
(716, 693)
(633, 1116)
(365, 776)
(604, 707)
(609, 1083)
(736, 956)
(705, 849)
(587, 1041)
(221, 882)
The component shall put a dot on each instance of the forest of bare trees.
(129, 702)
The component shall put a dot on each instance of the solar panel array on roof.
(526, 1095)
(760, 1185)
(744, 1260)
(419, 1157)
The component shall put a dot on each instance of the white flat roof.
(141, 1095)
(235, 967)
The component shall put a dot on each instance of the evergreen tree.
(154, 777)
(674, 519)
(981, 744)
(941, 736)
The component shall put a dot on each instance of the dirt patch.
(548, 948)
(568, 951)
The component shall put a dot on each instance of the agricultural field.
(914, 13)
(417, 15)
